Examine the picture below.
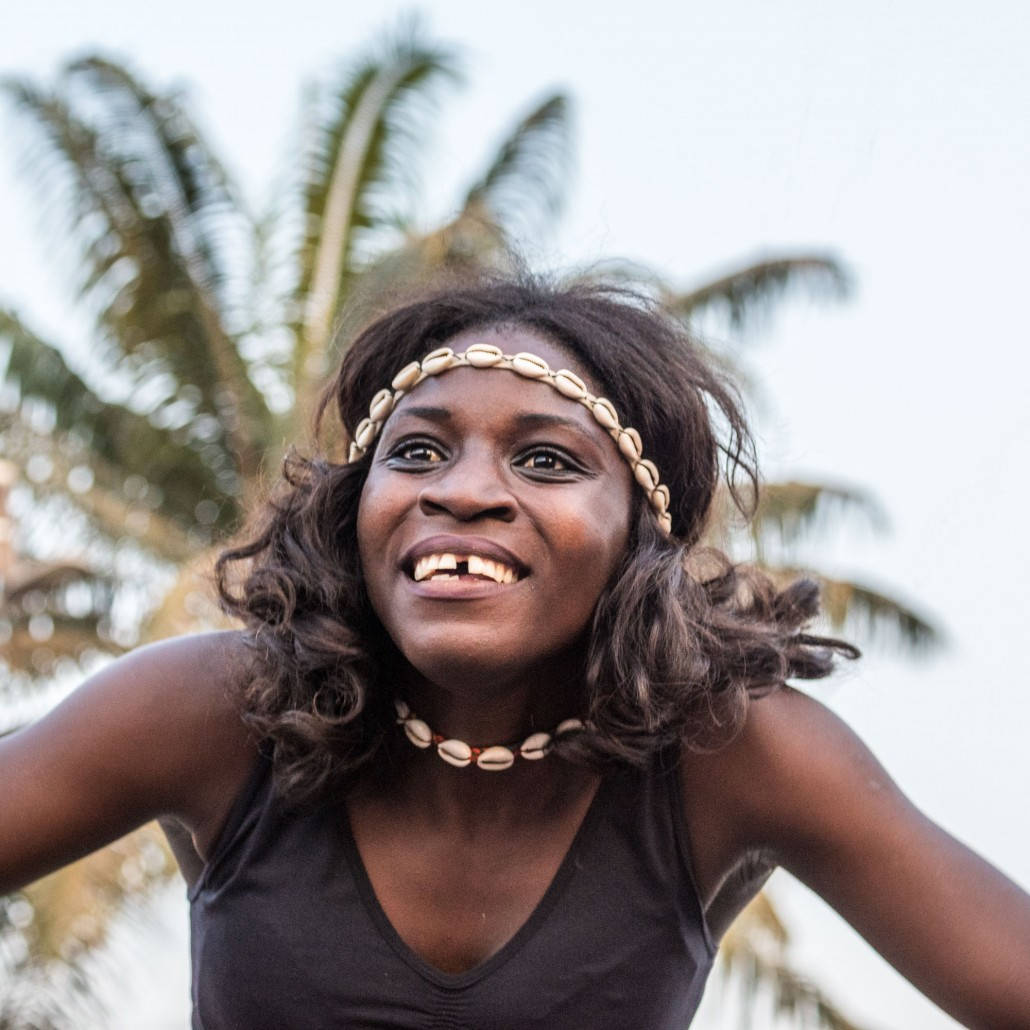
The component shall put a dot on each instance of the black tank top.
(287, 933)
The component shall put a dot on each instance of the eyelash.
(551, 452)
(401, 453)
(398, 452)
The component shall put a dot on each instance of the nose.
(471, 488)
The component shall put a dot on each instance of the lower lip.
(461, 588)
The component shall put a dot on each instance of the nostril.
(466, 505)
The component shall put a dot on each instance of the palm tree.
(212, 330)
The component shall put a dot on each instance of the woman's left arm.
(812, 797)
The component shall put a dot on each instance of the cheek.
(372, 523)
(365, 529)
(592, 546)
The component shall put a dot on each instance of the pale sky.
(895, 135)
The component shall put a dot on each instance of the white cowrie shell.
(354, 453)
(535, 746)
(405, 379)
(455, 752)
(365, 433)
(660, 498)
(567, 726)
(438, 361)
(381, 406)
(483, 355)
(495, 758)
(403, 711)
(630, 444)
(604, 412)
(418, 732)
(530, 365)
(647, 474)
(569, 384)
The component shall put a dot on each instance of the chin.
(474, 662)
(486, 664)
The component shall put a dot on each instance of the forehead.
(484, 389)
(514, 338)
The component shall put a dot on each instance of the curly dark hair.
(681, 637)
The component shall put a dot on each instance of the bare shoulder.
(183, 689)
(784, 791)
(181, 697)
(156, 733)
(794, 770)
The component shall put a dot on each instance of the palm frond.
(132, 442)
(864, 611)
(177, 167)
(524, 187)
(793, 509)
(363, 152)
(754, 961)
(745, 292)
(142, 237)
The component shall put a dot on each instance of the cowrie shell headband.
(529, 366)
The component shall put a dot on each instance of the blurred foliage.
(754, 966)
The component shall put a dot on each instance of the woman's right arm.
(155, 733)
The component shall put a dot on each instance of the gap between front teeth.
(477, 566)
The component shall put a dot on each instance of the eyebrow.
(524, 420)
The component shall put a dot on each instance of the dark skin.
(459, 858)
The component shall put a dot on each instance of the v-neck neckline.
(518, 939)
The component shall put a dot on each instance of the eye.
(416, 452)
(547, 459)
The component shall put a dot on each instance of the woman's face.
(494, 513)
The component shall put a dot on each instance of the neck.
(496, 706)
(483, 715)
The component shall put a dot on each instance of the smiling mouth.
(447, 565)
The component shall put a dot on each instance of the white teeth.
(426, 566)
(434, 565)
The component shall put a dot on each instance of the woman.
(499, 744)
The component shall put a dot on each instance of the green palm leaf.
(120, 438)
(792, 510)
(177, 170)
(524, 188)
(746, 291)
(521, 191)
(362, 156)
(863, 611)
(140, 221)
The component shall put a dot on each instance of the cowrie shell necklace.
(495, 758)
(529, 366)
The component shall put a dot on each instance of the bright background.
(895, 134)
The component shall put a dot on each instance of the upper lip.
(443, 544)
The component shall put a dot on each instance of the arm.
(154, 733)
(798, 787)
